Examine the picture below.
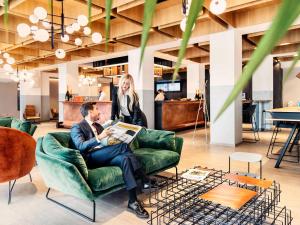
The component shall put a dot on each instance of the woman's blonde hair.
(134, 99)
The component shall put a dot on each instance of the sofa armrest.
(62, 176)
(178, 144)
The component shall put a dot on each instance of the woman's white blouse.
(123, 106)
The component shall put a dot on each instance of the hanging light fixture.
(217, 6)
(7, 61)
(186, 5)
(23, 76)
(43, 28)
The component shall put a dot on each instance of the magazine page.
(195, 174)
(124, 132)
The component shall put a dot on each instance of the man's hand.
(105, 133)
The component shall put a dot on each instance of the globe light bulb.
(40, 13)
(10, 60)
(65, 38)
(5, 55)
(33, 19)
(78, 41)
(60, 53)
(23, 30)
(1, 61)
(87, 31)
(42, 35)
(76, 26)
(46, 24)
(82, 20)
(183, 24)
(69, 30)
(217, 6)
(96, 37)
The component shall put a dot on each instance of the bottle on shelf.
(67, 96)
(71, 96)
(197, 95)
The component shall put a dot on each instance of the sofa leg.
(10, 188)
(176, 172)
(73, 210)
(30, 177)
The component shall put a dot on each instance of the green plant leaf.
(195, 8)
(108, 6)
(288, 12)
(292, 66)
(5, 12)
(89, 11)
(149, 9)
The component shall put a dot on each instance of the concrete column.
(262, 92)
(225, 69)
(195, 79)
(144, 81)
(30, 94)
(68, 77)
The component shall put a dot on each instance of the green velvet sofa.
(64, 169)
(12, 122)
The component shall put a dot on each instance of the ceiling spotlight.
(65, 38)
(60, 53)
(217, 6)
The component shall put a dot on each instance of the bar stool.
(246, 157)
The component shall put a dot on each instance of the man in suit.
(89, 138)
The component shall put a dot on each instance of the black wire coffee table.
(178, 202)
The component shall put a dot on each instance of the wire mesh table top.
(178, 202)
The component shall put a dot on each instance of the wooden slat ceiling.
(126, 28)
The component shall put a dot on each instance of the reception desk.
(72, 112)
(174, 115)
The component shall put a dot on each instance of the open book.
(195, 174)
(124, 132)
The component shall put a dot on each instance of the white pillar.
(30, 94)
(195, 79)
(225, 69)
(68, 77)
(262, 91)
(144, 81)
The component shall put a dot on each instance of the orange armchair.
(17, 156)
(30, 114)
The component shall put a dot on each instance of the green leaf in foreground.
(89, 11)
(288, 12)
(292, 66)
(196, 7)
(149, 9)
(108, 6)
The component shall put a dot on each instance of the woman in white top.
(125, 103)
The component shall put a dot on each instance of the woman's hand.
(105, 133)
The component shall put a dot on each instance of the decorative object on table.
(43, 26)
(195, 174)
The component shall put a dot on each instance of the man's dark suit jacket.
(83, 137)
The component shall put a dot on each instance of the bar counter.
(72, 112)
(174, 115)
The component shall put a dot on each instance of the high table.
(291, 115)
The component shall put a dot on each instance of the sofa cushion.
(54, 148)
(157, 139)
(21, 125)
(5, 121)
(156, 159)
(103, 178)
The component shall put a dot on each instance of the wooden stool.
(246, 157)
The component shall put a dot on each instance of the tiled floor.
(30, 207)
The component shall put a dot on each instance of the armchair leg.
(10, 188)
(73, 210)
(30, 177)
(176, 172)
